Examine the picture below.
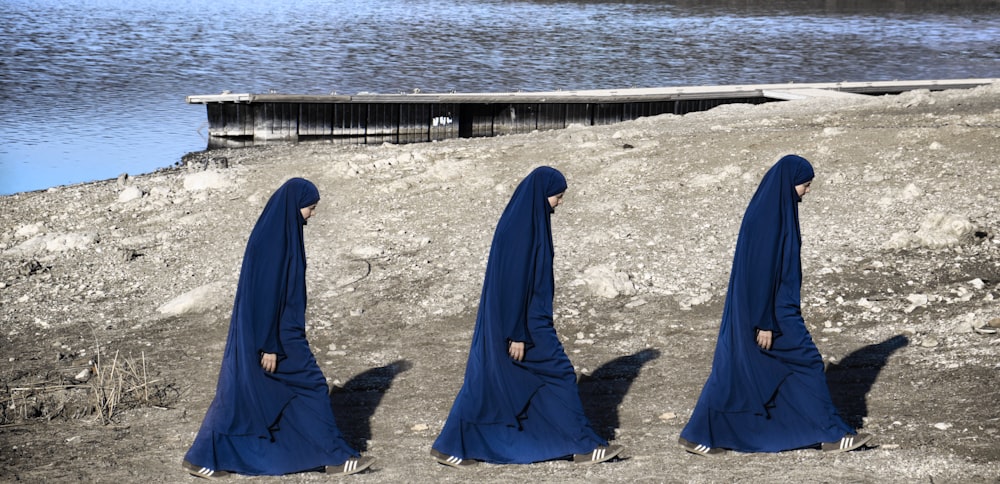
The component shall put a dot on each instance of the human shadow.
(356, 402)
(603, 390)
(852, 378)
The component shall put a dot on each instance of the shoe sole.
(203, 472)
(456, 465)
(698, 449)
(611, 454)
(362, 466)
(854, 446)
(452, 461)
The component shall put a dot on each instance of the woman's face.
(308, 211)
(803, 188)
(556, 200)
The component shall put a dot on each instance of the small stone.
(929, 342)
(942, 426)
(83, 376)
(994, 323)
(668, 416)
(129, 193)
(419, 428)
(636, 303)
(977, 283)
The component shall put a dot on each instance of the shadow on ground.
(356, 402)
(852, 378)
(603, 390)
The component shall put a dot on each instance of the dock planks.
(366, 118)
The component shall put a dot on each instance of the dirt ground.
(901, 267)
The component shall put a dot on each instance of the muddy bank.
(900, 255)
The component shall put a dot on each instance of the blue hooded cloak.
(281, 422)
(757, 400)
(519, 411)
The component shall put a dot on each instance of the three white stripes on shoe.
(350, 465)
(846, 442)
(206, 472)
(702, 448)
(598, 454)
(454, 460)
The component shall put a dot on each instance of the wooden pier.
(364, 118)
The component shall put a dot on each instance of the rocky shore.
(115, 295)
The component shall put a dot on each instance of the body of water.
(93, 89)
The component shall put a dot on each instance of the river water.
(90, 89)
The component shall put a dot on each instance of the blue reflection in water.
(91, 89)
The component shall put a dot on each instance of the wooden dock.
(365, 118)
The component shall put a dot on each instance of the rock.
(604, 281)
(55, 242)
(84, 375)
(668, 416)
(700, 299)
(977, 284)
(205, 180)
(128, 194)
(929, 342)
(936, 231)
(28, 230)
(942, 426)
(994, 323)
(197, 300)
(911, 192)
(916, 301)
(636, 303)
(419, 428)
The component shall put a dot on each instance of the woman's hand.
(269, 362)
(516, 350)
(764, 339)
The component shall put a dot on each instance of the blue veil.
(744, 377)
(248, 400)
(518, 287)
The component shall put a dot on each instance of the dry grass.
(105, 387)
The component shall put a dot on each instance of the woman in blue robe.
(271, 414)
(767, 390)
(519, 402)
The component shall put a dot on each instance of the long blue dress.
(759, 400)
(277, 423)
(518, 412)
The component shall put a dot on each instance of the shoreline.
(901, 265)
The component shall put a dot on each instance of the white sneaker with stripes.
(846, 443)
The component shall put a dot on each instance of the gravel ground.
(901, 265)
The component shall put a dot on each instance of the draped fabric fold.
(499, 414)
(766, 400)
(281, 422)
